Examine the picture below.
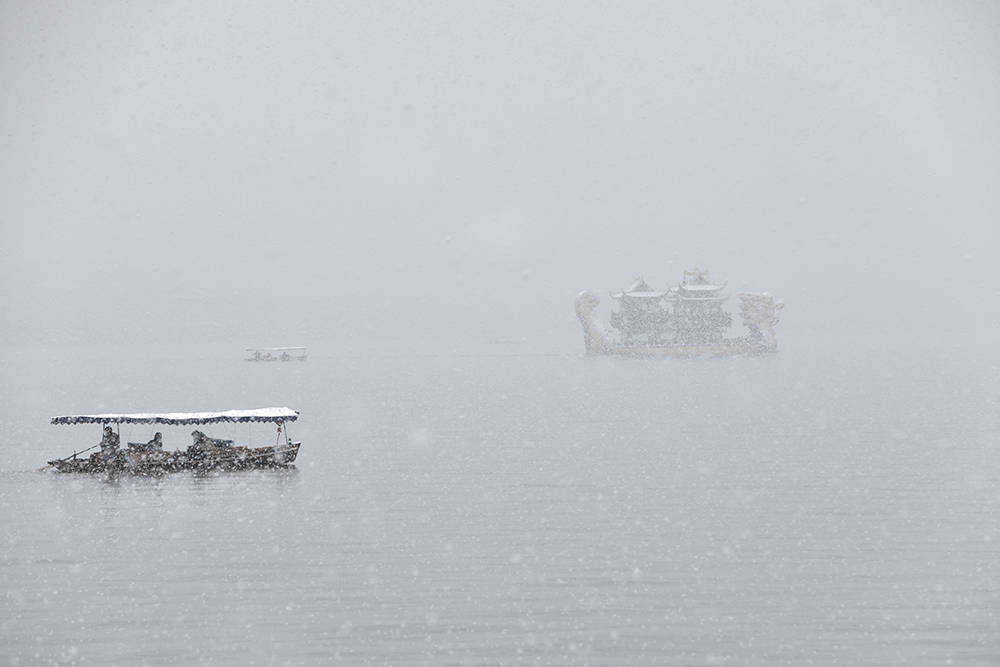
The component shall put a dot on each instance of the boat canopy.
(274, 415)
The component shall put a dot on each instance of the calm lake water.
(834, 504)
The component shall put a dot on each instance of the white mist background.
(264, 174)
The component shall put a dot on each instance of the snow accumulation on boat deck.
(181, 418)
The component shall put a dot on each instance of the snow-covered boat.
(682, 321)
(276, 354)
(205, 453)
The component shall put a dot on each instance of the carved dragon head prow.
(760, 315)
(593, 338)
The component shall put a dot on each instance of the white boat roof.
(276, 415)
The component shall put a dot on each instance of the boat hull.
(159, 462)
(724, 349)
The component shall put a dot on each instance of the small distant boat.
(276, 354)
(683, 321)
(204, 454)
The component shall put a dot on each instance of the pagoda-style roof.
(698, 285)
(639, 290)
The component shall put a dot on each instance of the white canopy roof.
(182, 418)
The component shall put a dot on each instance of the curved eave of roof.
(639, 295)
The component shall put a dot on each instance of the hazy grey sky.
(286, 173)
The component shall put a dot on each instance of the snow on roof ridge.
(179, 418)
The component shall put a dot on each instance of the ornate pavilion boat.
(204, 454)
(687, 320)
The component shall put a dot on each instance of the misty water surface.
(504, 507)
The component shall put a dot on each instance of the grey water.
(833, 504)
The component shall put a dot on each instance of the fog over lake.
(417, 193)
